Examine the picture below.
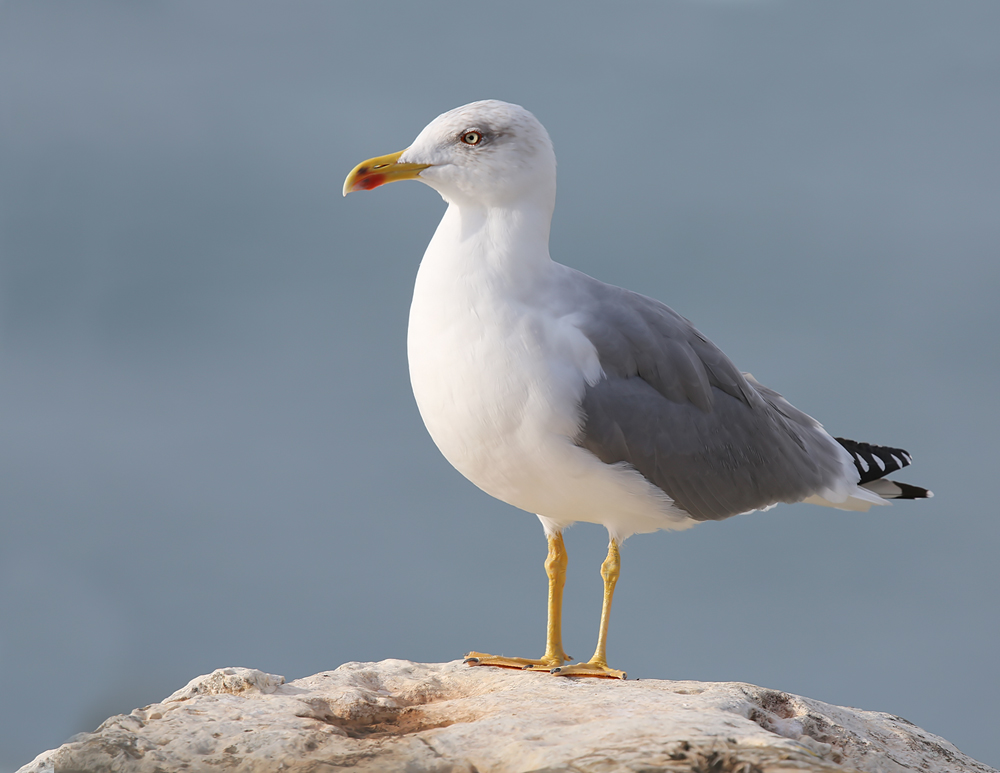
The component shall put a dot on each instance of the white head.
(486, 154)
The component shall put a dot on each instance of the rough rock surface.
(448, 717)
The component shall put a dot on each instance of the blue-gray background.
(209, 454)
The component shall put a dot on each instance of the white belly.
(499, 385)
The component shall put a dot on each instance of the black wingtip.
(906, 491)
(874, 462)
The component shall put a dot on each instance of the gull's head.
(487, 153)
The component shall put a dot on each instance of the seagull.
(577, 400)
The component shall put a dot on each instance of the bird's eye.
(472, 138)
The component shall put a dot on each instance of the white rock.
(418, 717)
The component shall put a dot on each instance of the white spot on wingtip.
(862, 462)
(897, 460)
(930, 495)
(879, 462)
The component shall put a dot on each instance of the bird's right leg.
(555, 568)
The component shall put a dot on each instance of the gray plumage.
(674, 407)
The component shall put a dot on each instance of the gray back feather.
(673, 406)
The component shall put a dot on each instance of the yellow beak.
(379, 171)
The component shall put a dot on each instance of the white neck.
(503, 247)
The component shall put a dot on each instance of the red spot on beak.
(370, 180)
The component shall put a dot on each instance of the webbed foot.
(593, 669)
(524, 664)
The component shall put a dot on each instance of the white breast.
(498, 378)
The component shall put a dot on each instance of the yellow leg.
(598, 665)
(555, 568)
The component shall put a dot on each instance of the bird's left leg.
(598, 665)
(555, 568)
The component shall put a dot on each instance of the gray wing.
(674, 407)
